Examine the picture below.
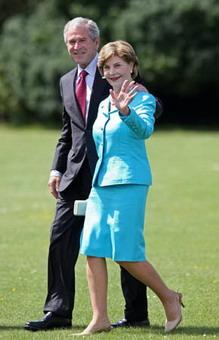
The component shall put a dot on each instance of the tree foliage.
(31, 62)
(177, 44)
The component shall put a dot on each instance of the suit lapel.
(71, 101)
(99, 92)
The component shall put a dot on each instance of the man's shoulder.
(68, 74)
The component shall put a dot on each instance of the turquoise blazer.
(120, 142)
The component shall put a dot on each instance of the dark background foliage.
(177, 44)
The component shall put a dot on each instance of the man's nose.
(76, 44)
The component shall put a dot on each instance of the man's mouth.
(79, 53)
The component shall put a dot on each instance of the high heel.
(171, 325)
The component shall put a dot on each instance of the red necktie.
(81, 92)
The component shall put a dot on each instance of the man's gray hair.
(93, 29)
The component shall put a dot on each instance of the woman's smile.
(116, 70)
(114, 78)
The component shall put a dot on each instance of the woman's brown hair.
(121, 49)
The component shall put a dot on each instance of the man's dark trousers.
(63, 253)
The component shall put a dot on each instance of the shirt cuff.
(55, 173)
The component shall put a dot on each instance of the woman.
(115, 212)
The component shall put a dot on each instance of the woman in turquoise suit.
(114, 220)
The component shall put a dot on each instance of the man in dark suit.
(70, 179)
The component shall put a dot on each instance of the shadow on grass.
(204, 330)
(188, 330)
(17, 327)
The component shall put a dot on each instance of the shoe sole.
(33, 329)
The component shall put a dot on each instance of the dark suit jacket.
(76, 139)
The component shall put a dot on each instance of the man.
(70, 179)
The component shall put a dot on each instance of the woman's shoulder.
(143, 96)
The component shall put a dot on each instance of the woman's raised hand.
(122, 98)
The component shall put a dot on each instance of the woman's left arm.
(141, 115)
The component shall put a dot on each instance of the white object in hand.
(80, 207)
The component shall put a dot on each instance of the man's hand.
(53, 185)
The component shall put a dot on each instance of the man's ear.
(97, 41)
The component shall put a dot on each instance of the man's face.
(80, 46)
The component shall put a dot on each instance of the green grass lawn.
(182, 232)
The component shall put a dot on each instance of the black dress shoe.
(127, 323)
(49, 321)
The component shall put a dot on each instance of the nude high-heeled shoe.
(171, 325)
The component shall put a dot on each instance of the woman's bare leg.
(144, 272)
(97, 284)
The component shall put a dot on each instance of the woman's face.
(116, 70)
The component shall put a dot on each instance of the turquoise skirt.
(114, 223)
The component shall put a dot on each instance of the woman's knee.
(122, 264)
